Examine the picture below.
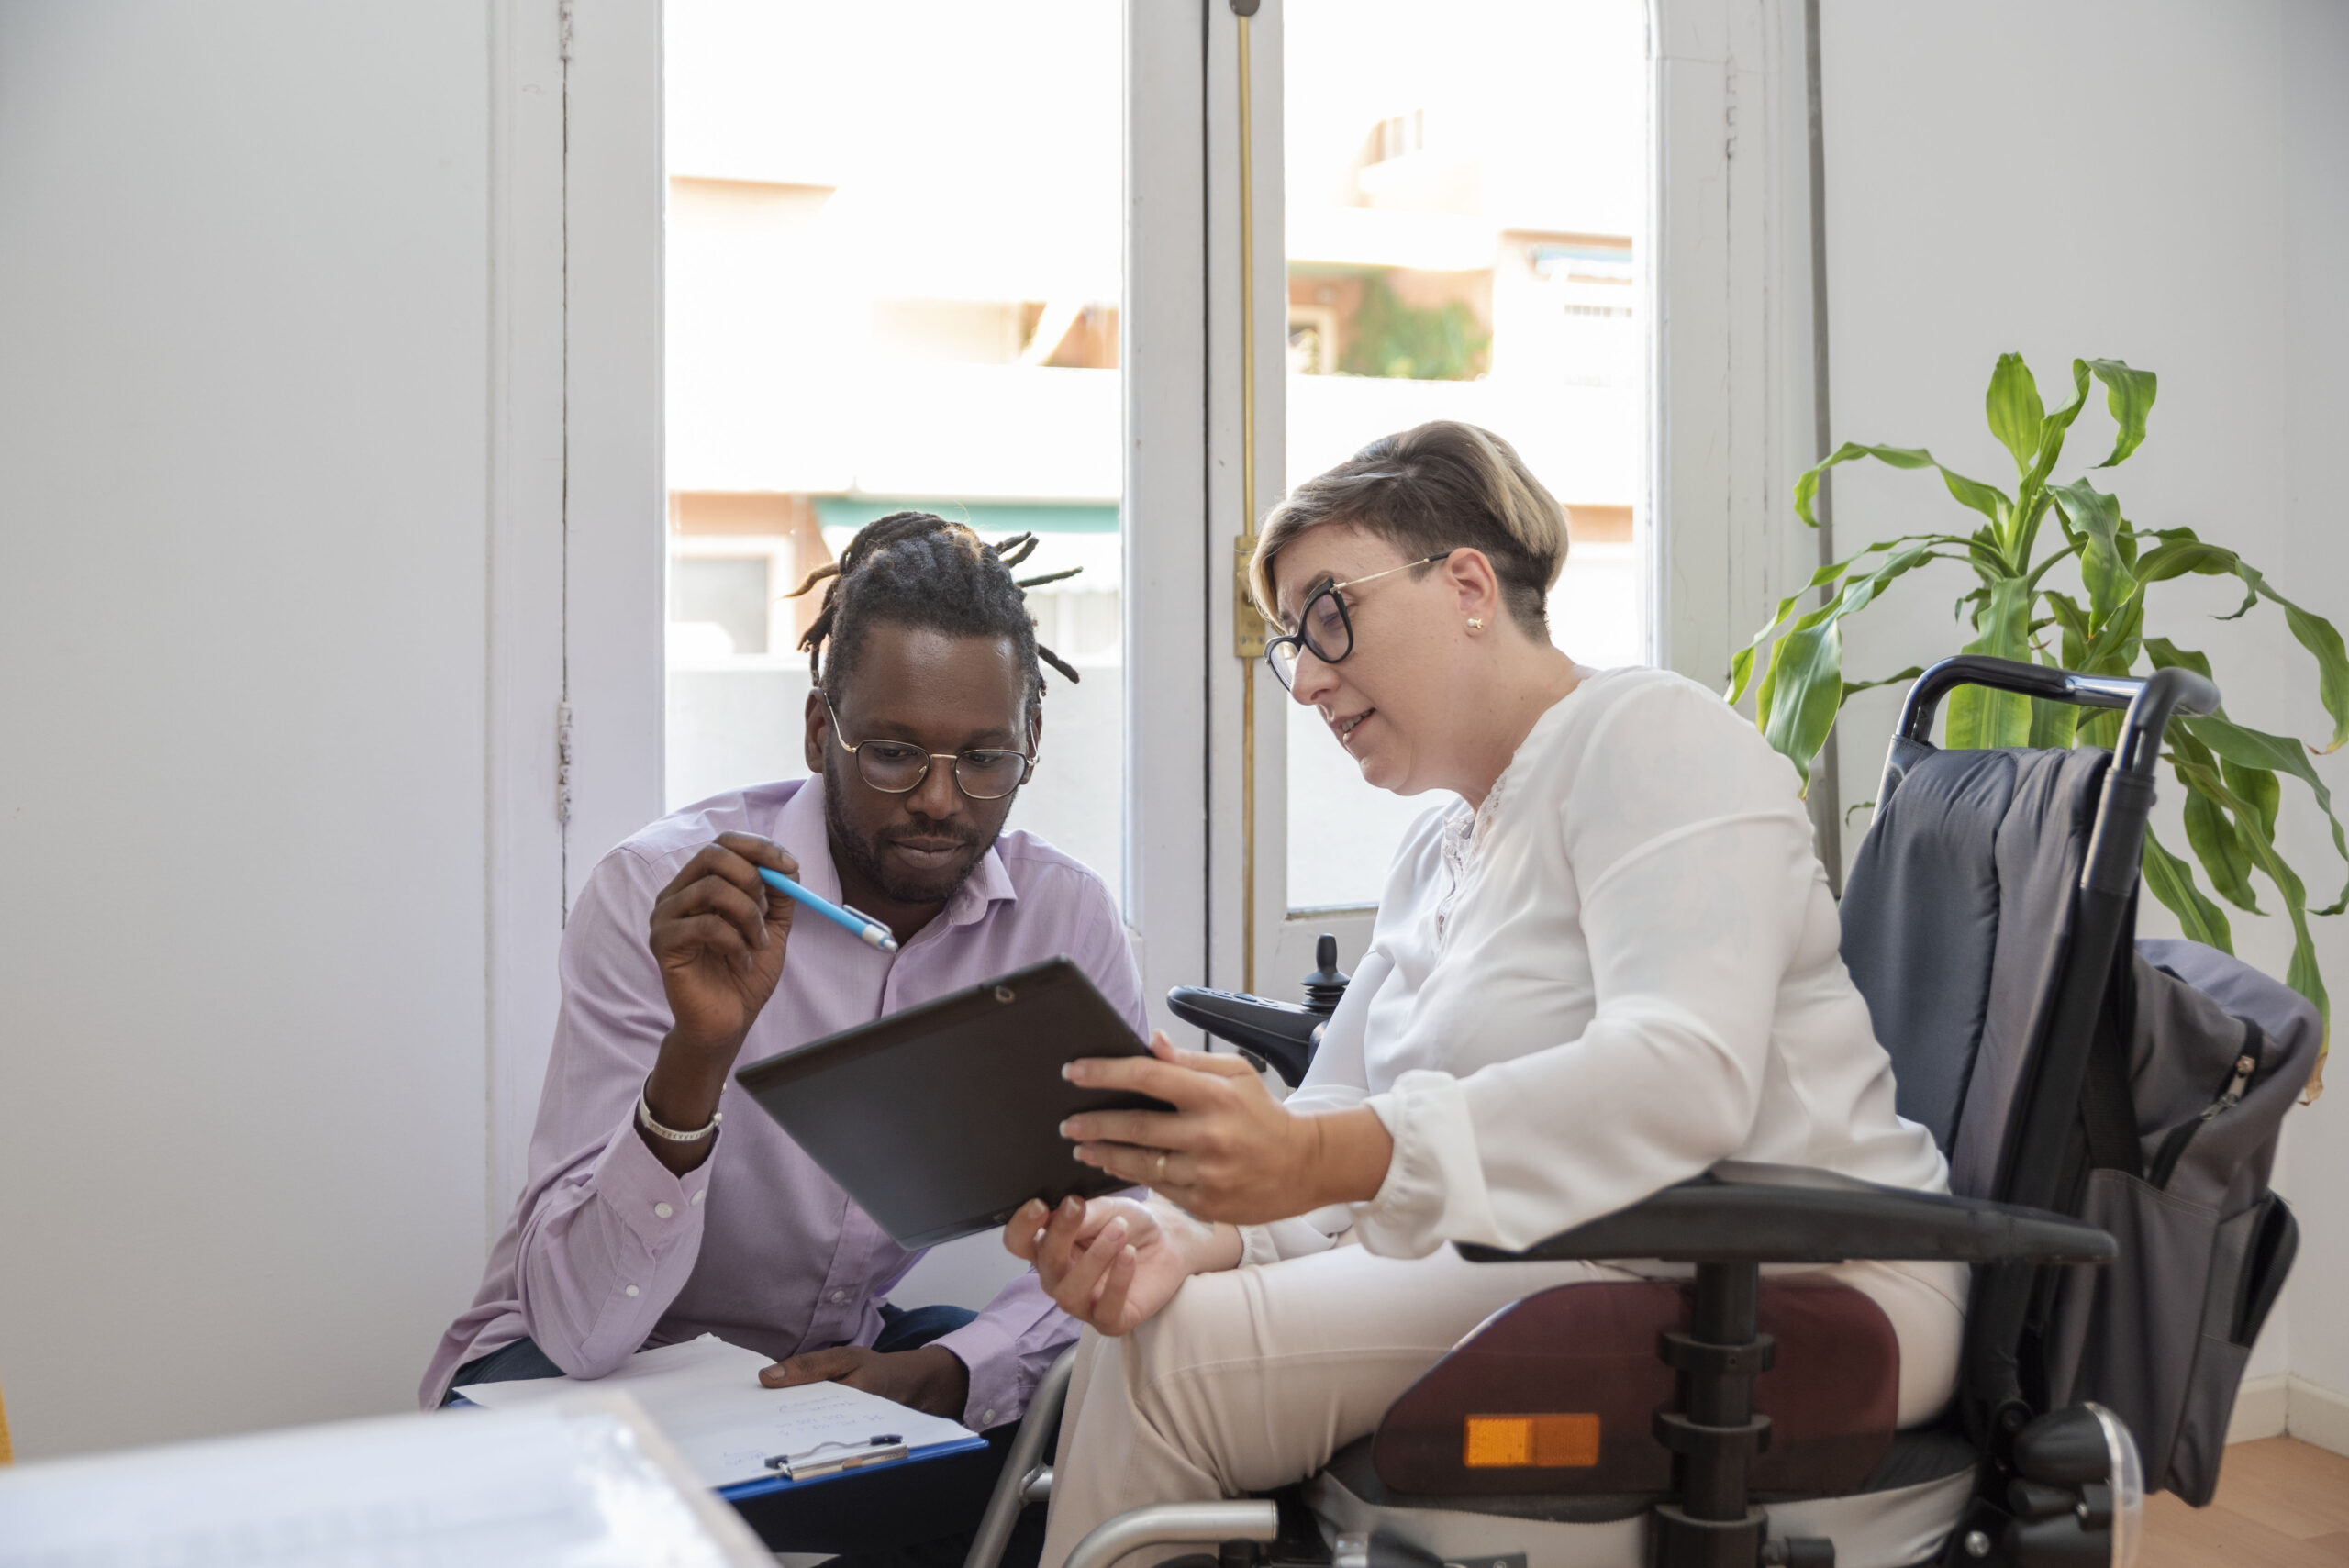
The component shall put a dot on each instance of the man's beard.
(869, 856)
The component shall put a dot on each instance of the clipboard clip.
(834, 1457)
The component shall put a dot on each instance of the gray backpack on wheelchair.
(2109, 1109)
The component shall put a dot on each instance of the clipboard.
(931, 1492)
(942, 1119)
(849, 1462)
(705, 1395)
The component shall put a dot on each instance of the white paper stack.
(705, 1396)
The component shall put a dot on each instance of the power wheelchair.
(1697, 1455)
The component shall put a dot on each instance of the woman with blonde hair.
(1610, 964)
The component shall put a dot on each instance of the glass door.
(893, 282)
(1466, 196)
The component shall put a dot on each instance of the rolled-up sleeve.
(610, 1234)
(1007, 1348)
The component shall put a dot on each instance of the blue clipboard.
(766, 1486)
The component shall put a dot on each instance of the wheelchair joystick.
(1327, 984)
(1278, 1035)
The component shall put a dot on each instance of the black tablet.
(941, 1120)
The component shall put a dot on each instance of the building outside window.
(904, 293)
(1464, 204)
(888, 294)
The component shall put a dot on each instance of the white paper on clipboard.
(706, 1398)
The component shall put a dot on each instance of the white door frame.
(1167, 571)
(576, 503)
(524, 851)
(1184, 505)
(1729, 295)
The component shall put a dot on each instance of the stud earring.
(1476, 623)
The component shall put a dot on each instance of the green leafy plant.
(2092, 619)
(1411, 343)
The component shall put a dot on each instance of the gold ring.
(1162, 1165)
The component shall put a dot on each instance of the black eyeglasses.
(898, 767)
(1323, 627)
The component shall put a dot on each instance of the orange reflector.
(1546, 1442)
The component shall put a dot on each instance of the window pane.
(1464, 199)
(720, 603)
(892, 283)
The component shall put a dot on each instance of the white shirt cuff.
(1434, 1181)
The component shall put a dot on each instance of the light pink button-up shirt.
(608, 1252)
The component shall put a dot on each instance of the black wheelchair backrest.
(1989, 917)
(1955, 919)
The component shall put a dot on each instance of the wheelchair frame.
(1735, 1219)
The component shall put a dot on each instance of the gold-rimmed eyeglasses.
(1323, 627)
(898, 767)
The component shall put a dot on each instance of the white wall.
(244, 278)
(2161, 181)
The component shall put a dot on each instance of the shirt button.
(987, 1417)
(631, 1290)
(664, 1210)
(701, 1195)
(839, 1297)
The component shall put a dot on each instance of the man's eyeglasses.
(897, 767)
(1323, 627)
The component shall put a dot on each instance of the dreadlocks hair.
(918, 570)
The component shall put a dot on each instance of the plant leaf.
(2220, 848)
(2054, 725)
(1853, 689)
(2255, 748)
(1980, 717)
(2130, 395)
(1807, 671)
(2097, 518)
(2256, 785)
(1803, 688)
(2167, 560)
(2181, 552)
(1987, 499)
(2166, 655)
(2114, 651)
(2300, 973)
(1741, 666)
(2075, 622)
(2051, 431)
(2172, 880)
(2017, 416)
(2318, 636)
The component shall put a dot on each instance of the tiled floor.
(2281, 1504)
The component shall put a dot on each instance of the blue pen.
(875, 933)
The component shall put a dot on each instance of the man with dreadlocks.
(641, 1222)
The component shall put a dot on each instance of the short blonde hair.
(1437, 486)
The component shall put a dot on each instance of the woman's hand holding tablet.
(1227, 1153)
(1228, 1150)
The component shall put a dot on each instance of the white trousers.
(1250, 1379)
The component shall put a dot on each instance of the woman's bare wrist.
(1350, 1152)
(1207, 1247)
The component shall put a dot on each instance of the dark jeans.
(922, 1515)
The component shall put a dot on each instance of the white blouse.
(1618, 972)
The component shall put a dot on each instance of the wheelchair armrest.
(1281, 1033)
(1787, 1214)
